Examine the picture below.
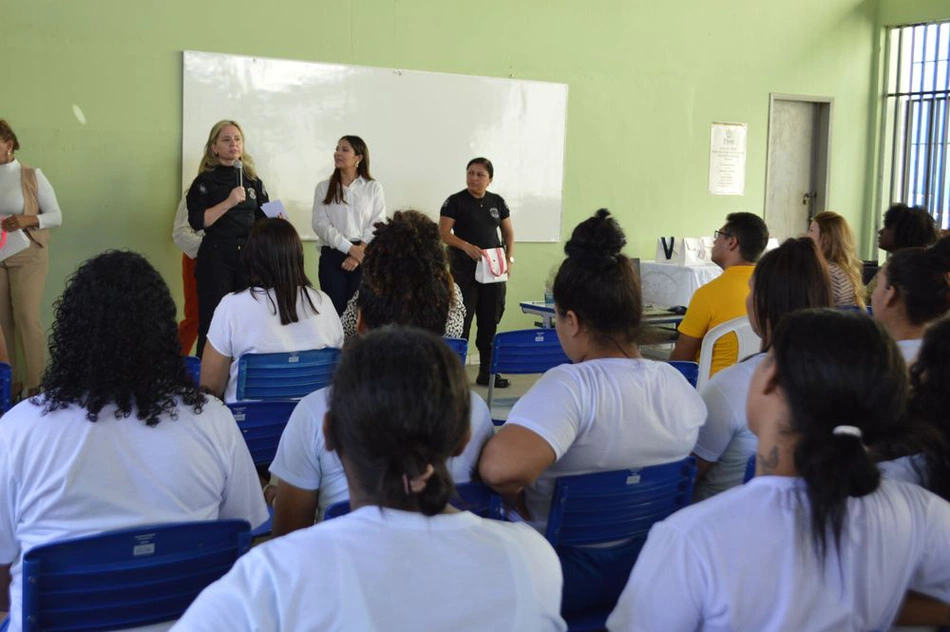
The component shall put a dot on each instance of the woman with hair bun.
(836, 242)
(403, 558)
(913, 290)
(610, 409)
(789, 278)
(816, 541)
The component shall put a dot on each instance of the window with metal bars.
(917, 118)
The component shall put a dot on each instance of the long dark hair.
(115, 341)
(930, 404)
(919, 275)
(406, 279)
(335, 190)
(273, 260)
(837, 369)
(791, 277)
(400, 402)
(598, 283)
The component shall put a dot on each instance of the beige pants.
(22, 279)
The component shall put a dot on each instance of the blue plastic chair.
(616, 506)
(193, 365)
(6, 387)
(749, 470)
(269, 376)
(459, 346)
(690, 370)
(522, 352)
(475, 497)
(127, 578)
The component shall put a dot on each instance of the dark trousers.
(595, 577)
(339, 284)
(485, 303)
(218, 272)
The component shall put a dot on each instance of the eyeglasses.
(717, 233)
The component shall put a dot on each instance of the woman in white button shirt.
(27, 202)
(816, 541)
(345, 208)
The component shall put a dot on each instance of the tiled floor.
(505, 398)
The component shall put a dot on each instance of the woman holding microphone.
(224, 200)
(345, 209)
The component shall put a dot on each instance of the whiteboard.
(421, 128)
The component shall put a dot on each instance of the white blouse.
(11, 195)
(338, 225)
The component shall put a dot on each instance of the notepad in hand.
(273, 209)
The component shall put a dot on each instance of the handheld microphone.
(240, 170)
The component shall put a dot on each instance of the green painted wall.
(898, 12)
(646, 77)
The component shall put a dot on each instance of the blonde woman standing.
(836, 242)
(28, 203)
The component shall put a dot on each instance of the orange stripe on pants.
(188, 328)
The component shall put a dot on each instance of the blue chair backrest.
(475, 497)
(127, 578)
(524, 351)
(193, 365)
(262, 424)
(690, 370)
(264, 376)
(749, 470)
(617, 505)
(6, 387)
(459, 346)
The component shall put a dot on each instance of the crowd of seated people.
(850, 447)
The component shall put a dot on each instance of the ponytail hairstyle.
(406, 279)
(400, 403)
(209, 160)
(930, 403)
(837, 247)
(791, 277)
(845, 384)
(273, 260)
(920, 277)
(598, 283)
(335, 190)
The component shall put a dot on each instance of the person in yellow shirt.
(737, 246)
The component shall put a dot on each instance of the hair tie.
(852, 431)
(417, 484)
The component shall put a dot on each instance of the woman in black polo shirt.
(469, 222)
(224, 201)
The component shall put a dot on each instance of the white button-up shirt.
(338, 225)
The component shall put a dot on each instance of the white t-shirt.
(744, 560)
(248, 322)
(63, 476)
(607, 414)
(303, 459)
(338, 225)
(383, 569)
(909, 349)
(909, 469)
(725, 440)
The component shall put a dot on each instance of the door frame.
(821, 156)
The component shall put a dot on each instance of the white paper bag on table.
(684, 251)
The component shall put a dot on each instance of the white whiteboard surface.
(421, 129)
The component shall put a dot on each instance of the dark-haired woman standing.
(469, 223)
(279, 312)
(403, 559)
(345, 209)
(120, 435)
(816, 541)
(611, 409)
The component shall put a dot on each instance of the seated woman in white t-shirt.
(280, 311)
(791, 277)
(913, 290)
(120, 436)
(609, 410)
(403, 558)
(816, 541)
(405, 282)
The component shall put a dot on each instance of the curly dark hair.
(406, 279)
(115, 341)
(913, 226)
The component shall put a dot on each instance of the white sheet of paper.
(727, 153)
(273, 208)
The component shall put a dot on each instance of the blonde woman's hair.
(209, 161)
(837, 246)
